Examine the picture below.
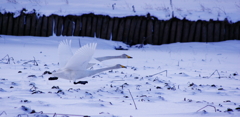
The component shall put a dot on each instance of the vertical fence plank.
(149, 33)
(77, 26)
(166, 32)
(110, 26)
(239, 30)
(84, 25)
(38, 27)
(10, 24)
(204, 32)
(115, 28)
(27, 24)
(127, 29)
(99, 26)
(236, 30)
(104, 28)
(1, 21)
(33, 24)
(94, 26)
(55, 24)
(120, 30)
(197, 37)
(210, 31)
(226, 29)
(89, 26)
(179, 31)
(70, 27)
(156, 31)
(217, 27)
(192, 31)
(59, 26)
(142, 33)
(132, 28)
(222, 31)
(50, 25)
(66, 21)
(21, 25)
(137, 31)
(44, 26)
(5, 24)
(15, 25)
(161, 31)
(185, 30)
(173, 29)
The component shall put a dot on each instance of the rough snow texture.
(163, 9)
(170, 80)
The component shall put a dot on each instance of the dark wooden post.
(132, 29)
(10, 24)
(44, 26)
(166, 32)
(115, 28)
(120, 30)
(89, 25)
(77, 26)
(21, 25)
(59, 26)
(104, 28)
(210, 31)
(222, 31)
(192, 31)
(94, 26)
(127, 29)
(137, 31)
(110, 26)
(161, 31)
(27, 24)
(156, 31)
(217, 28)
(173, 29)
(38, 27)
(204, 34)
(99, 26)
(142, 33)
(149, 33)
(179, 32)
(50, 25)
(197, 37)
(5, 23)
(186, 28)
(1, 21)
(33, 24)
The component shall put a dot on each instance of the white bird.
(75, 67)
(65, 53)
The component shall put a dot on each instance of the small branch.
(8, 59)
(214, 72)
(4, 113)
(158, 73)
(207, 106)
(133, 99)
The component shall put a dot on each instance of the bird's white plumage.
(81, 58)
(64, 52)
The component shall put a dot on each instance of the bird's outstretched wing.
(64, 52)
(81, 58)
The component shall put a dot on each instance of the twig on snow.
(214, 72)
(4, 113)
(34, 62)
(133, 99)
(207, 106)
(158, 73)
(8, 58)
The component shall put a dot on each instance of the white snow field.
(162, 9)
(171, 80)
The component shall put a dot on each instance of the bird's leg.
(80, 82)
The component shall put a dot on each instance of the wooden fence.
(130, 30)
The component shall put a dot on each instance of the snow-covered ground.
(190, 9)
(170, 80)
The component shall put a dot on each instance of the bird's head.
(125, 56)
